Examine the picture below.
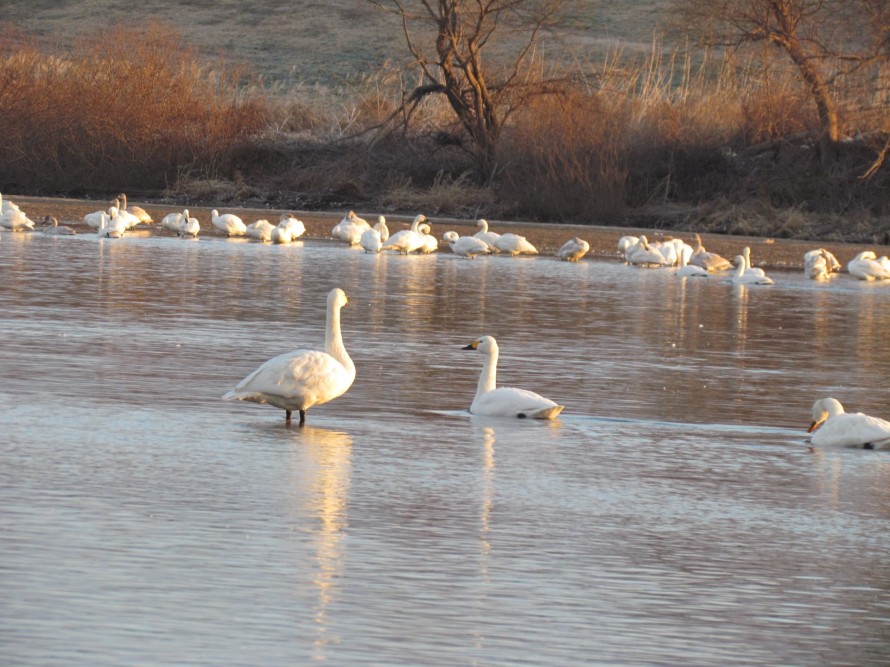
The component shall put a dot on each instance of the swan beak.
(814, 426)
(471, 346)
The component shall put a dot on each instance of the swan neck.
(488, 378)
(333, 340)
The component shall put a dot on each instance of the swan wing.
(852, 430)
(512, 402)
(294, 380)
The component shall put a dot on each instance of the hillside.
(316, 42)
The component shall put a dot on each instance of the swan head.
(51, 221)
(739, 260)
(113, 211)
(381, 220)
(424, 229)
(450, 237)
(483, 344)
(867, 254)
(482, 224)
(337, 298)
(185, 215)
(823, 409)
(420, 218)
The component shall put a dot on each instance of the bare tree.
(447, 40)
(824, 39)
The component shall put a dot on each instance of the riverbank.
(767, 252)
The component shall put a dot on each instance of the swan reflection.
(321, 479)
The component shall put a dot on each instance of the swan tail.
(551, 412)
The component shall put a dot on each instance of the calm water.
(672, 515)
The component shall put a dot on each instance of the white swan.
(300, 379)
(260, 230)
(93, 219)
(55, 229)
(743, 277)
(643, 254)
(755, 270)
(485, 235)
(111, 227)
(407, 240)
(15, 220)
(229, 223)
(372, 240)
(709, 261)
(867, 266)
(350, 228)
(494, 401)
(573, 249)
(430, 242)
(292, 224)
(820, 264)
(281, 235)
(136, 211)
(124, 217)
(834, 427)
(688, 270)
(188, 226)
(514, 244)
(625, 243)
(466, 246)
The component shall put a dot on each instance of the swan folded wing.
(295, 380)
(853, 430)
(512, 402)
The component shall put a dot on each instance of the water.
(672, 515)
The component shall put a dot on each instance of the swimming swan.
(55, 229)
(494, 401)
(834, 427)
(573, 249)
(709, 261)
(743, 277)
(229, 223)
(300, 379)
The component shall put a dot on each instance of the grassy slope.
(321, 41)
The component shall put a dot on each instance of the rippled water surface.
(672, 515)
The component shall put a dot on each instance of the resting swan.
(260, 230)
(137, 211)
(188, 226)
(494, 401)
(372, 240)
(300, 379)
(834, 427)
(229, 223)
(55, 229)
(867, 266)
(466, 246)
(573, 249)
(819, 264)
(292, 224)
(710, 261)
(514, 244)
(350, 228)
(407, 240)
(485, 235)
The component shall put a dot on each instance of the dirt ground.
(765, 252)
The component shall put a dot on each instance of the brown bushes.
(120, 109)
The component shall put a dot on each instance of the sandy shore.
(768, 253)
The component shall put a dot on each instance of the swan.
(688, 270)
(742, 277)
(514, 244)
(755, 270)
(643, 254)
(111, 227)
(710, 261)
(124, 217)
(485, 235)
(229, 223)
(820, 264)
(466, 246)
(15, 220)
(300, 379)
(54, 229)
(188, 226)
(867, 266)
(626, 242)
(281, 235)
(407, 240)
(171, 221)
(293, 225)
(834, 427)
(372, 240)
(350, 228)
(93, 219)
(430, 243)
(261, 230)
(573, 249)
(136, 211)
(494, 401)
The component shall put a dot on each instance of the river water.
(673, 514)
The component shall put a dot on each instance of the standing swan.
(834, 427)
(229, 223)
(494, 401)
(300, 379)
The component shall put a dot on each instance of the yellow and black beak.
(814, 426)
(471, 346)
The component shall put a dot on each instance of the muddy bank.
(766, 252)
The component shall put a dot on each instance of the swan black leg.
(287, 417)
(302, 417)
